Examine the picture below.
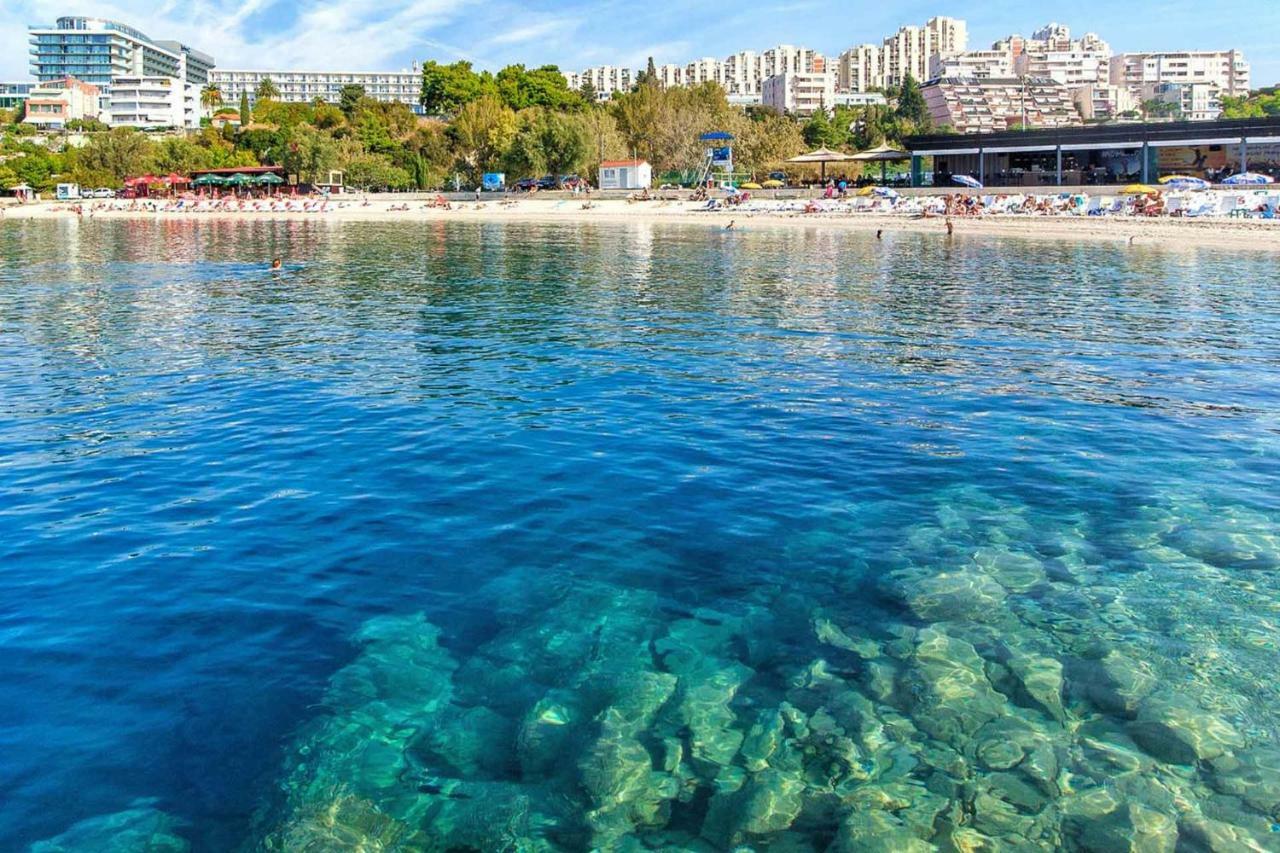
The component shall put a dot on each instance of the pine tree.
(911, 106)
(246, 117)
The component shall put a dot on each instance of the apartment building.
(304, 87)
(799, 93)
(1225, 69)
(153, 102)
(912, 50)
(970, 105)
(50, 105)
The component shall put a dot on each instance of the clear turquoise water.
(529, 537)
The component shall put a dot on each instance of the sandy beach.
(1253, 234)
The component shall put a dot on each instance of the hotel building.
(52, 104)
(14, 95)
(153, 102)
(95, 50)
(304, 87)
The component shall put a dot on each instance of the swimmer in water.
(276, 264)
(729, 227)
(879, 233)
(950, 227)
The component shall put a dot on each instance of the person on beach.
(729, 227)
(879, 233)
(951, 228)
(276, 264)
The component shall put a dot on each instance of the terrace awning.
(822, 157)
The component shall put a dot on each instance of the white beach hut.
(625, 175)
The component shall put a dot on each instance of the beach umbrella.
(822, 157)
(240, 179)
(1138, 189)
(269, 178)
(1247, 178)
(209, 181)
(966, 180)
(174, 178)
(884, 192)
(1184, 182)
(867, 190)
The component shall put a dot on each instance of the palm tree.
(266, 90)
(211, 97)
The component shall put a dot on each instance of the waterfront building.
(625, 175)
(912, 50)
(1225, 69)
(1099, 101)
(1098, 154)
(14, 95)
(799, 94)
(52, 104)
(154, 102)
(94, 50)
(970, 105)
(305, 87)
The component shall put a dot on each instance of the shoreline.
(1259, 235)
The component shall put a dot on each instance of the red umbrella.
(175, 178)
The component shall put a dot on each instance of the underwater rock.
(1174, 730)
(762, 740)
(1013, 570)
(948, 680)
(1253, 775)
(703, 708)
(1131, 829)
(140, 829)
(1118, 683)
(948, 596)
(342, 822)
(625, 791)
(1214, 836)
(868, 830)
(1041, 678)
(769, 802)
(827, 632)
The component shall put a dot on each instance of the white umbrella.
(1248, 178)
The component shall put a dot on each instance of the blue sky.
(359, 35)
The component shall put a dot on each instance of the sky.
(381, 35)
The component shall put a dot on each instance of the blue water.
(211, 476)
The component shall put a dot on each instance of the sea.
(637, 536)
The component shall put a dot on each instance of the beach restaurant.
(1098, 155)
(240, 177)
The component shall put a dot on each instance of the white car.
(103, 192)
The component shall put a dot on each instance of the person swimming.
(729, 227)
(276, 263)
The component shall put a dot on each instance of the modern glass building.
(95, 50)
(12, 95)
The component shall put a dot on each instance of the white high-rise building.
(1225, 69)
(605, 80)
(976, 64)
(670, 76)
(705, 70)
(742, 73)
(912, 50)
(154, 102)
(789, 59)
(1052, 53)
(800, 93)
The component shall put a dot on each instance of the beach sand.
(1252, 234)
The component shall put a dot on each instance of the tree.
(483, 132)
(246, 117)
(548, 143)
(587, 92)
(309, 154)
(211, 97)
(521, 88)
(120, 152)
(349, 97)
(447, 88)
(375, 173)
(267, 90)
(649, 76)
(911, 106)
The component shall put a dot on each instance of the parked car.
(778, 176)
(547, 182)
(526, 184)
(104, 192)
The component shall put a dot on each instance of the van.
(68, 192)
